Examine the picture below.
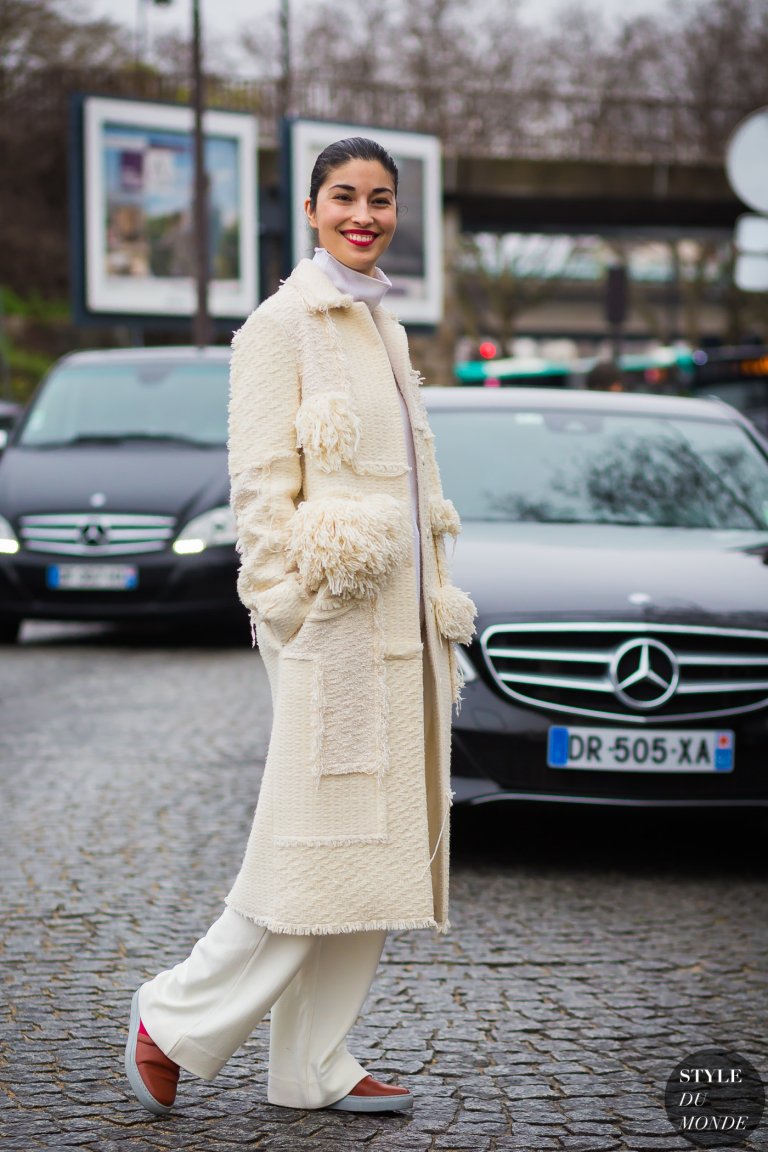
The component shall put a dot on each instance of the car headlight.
(8, 542)
(466, 665)
(209, 530)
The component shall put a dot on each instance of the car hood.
(152, 478)
(600, 571)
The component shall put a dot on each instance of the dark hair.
(354, 148)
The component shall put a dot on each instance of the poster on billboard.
(414, 260)
(138, 178)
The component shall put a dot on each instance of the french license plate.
(86, 577)
(627, 750)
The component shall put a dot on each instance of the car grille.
(86, 534)
(638, 673)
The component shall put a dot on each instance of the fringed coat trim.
(351, 542)
(319, 929)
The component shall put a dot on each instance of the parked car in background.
(114, 494)
(616, 546)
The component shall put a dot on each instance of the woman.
(341, 522)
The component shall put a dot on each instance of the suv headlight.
(209, 530)
(9, 545)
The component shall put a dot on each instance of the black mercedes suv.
(616, 547)
(114, 494)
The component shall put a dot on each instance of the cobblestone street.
(589, 953)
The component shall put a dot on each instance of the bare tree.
(43, 34)
(720, 50)
(508, 52)
(335, 47)
(261, 46)
(501, 278)
(40, 41)
(172, 53)
(675, 309)
(588, 52)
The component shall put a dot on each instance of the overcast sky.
(224, 17)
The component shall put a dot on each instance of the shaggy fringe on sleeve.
(352, 542)
(328, 430)
(455, 614)
(443, 518)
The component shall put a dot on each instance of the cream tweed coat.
(351, 828)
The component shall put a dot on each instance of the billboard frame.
(149, 300)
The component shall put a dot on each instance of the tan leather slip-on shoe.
(371, 1095)
(152, 1075)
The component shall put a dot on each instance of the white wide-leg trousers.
(200, 1012)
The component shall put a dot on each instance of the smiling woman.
(355, 211)
(342, 525)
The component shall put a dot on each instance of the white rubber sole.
(142, 1093)
(400, 1103)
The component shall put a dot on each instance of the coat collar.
(317, 292)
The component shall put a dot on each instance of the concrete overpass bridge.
(589, 195)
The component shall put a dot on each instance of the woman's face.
(356, 213)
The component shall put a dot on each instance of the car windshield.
(573, 467)
(151, 400)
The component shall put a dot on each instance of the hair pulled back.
(342, 151)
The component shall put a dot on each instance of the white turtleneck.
(363, 289)
(371, 290)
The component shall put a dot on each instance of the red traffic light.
(488, 350)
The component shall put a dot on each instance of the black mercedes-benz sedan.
(114, 494)
(617, 548)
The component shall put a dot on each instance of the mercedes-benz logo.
(644, 673)
(94, 533)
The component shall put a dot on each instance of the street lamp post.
(202, 326)
(202, 321)
(285, 54)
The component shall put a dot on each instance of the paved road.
(589, 953)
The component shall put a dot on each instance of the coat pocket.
(330, 733)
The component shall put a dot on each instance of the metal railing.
(473, 121)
